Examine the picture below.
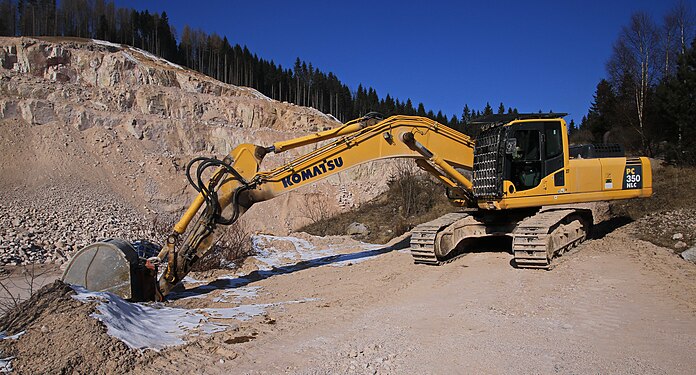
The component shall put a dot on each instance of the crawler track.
(537, 239)
(423, 238)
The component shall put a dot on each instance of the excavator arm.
(239, 182)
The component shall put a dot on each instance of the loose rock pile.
(673, 229)
(53, 224)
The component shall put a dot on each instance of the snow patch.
(6, 365)
(4, 336)
(155, 326)
(332, 117)
(191, 280)
(155, 58)
(105, 43)
(256, 94)
(130, 57)
(141, 326)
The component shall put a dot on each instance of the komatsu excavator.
(519, 178)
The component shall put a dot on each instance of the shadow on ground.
(602, 229)
(231, 283)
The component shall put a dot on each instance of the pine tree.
(167, 42)
(677, 107)
(488, 110)
(602, 111)
(8, 18)
(454, 123)
(466, 115)
(501, 109)
(409, 107)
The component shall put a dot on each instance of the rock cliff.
(80, 115)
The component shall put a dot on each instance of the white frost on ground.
(272, 260)
(304, 251)
(246, 312)
(154, 326)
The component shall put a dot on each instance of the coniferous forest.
(646, 102)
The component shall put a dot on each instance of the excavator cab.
(524, 160)
(538, 153)
(516, 152)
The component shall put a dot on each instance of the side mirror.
(510, 146)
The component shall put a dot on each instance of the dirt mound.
(59, 336)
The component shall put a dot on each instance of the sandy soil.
(614, 305)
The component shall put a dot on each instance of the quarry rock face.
(81, 115)
(105, 79)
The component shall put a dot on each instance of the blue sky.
(532, 55)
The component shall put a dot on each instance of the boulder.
(8, 109)
(82, 120)
(8, 57)
(37, 112)
(357, 229)
(689, 254)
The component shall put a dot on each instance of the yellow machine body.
(521, 164)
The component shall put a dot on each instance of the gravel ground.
(58, 221)
(615, 304)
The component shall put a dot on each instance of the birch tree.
(635, 59)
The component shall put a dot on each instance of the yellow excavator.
(519, 178)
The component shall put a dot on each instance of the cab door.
(554, 158)
(537, 153)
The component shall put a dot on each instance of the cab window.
(554, 142)
(527, 145)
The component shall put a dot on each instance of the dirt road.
(614, 305)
